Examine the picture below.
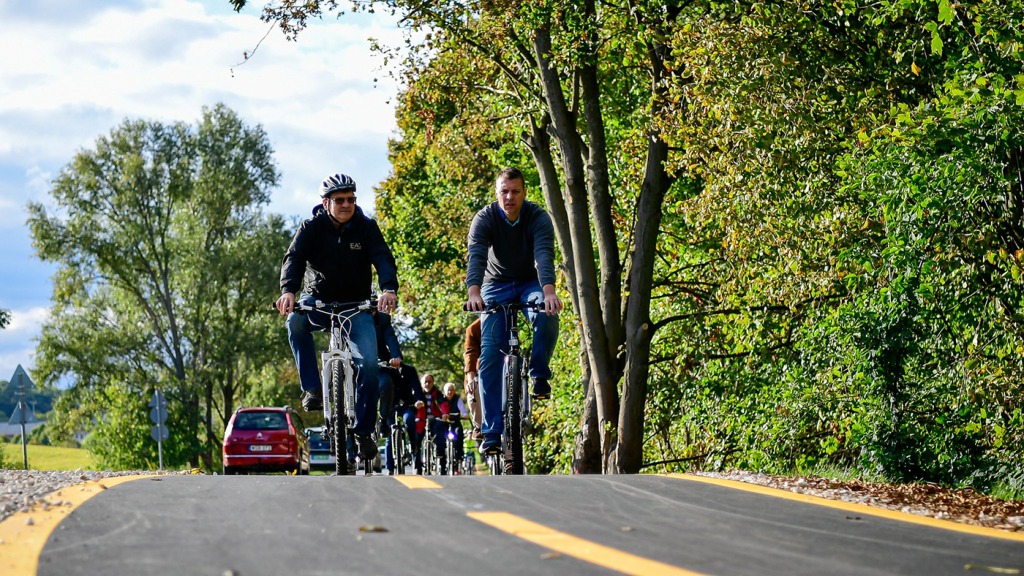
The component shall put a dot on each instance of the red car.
(265, 440)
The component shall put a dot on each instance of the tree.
(553, 71)
(791, 232)
(162, 254)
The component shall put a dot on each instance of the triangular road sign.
(21, 378)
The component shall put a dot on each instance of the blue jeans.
(386, 394)
(494, 348)
(364, 355)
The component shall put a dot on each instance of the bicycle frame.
(516, 403)
(451, 439)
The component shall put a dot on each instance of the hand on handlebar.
(285, 304)
(474, 302)
(552, 304)
(387, 302)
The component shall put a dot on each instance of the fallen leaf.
(372, 528)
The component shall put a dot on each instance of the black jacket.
(387, 340)
(335, 263)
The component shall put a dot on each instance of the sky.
(71, 71)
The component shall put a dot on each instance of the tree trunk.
(638, 309)
(577, 204)
(587, 450)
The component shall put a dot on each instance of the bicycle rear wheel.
(339, 428)
(496, 464)
(513, 435)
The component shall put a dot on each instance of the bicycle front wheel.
(398, 448)
(339, 429)
(429, 456)
(513, 417)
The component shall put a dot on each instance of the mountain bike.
(338, 376)
(399, 446)
(431, 459)
(452, 465)
(468, 458)
(516, 404)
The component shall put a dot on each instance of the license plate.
(320, 457)
(259, 448)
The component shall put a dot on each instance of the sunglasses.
(344, 200)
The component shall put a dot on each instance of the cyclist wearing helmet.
(332, 253)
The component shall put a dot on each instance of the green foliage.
(837, 281)
(163, 278)
(867, 208)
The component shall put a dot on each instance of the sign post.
(24, 384)
(158, 415)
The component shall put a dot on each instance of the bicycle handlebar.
(491, 307)
(336, 307)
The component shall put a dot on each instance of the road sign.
(159, 433)
(158, 415)
(21, 379)
(16, 416)
(158, 399)
(23, 384)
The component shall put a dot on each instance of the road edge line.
(24, 533)
(864, 509)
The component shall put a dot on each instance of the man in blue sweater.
(511, 259)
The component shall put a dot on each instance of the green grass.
(46, 457)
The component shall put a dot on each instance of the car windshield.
(260, 421)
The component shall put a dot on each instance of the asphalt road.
(495, 526)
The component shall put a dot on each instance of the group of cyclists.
(332, 258)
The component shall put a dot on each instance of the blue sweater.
(500, 251)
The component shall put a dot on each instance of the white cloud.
(72, 71)
(18, 340)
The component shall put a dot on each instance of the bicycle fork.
(344, 357)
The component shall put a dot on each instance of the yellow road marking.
(579, 548)
(23, 534)
(863, 509)
(417, 482)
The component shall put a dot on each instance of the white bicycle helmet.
(337, 183)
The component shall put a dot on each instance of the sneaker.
(541, 389)
(351, 468)
(313, 400)
(367, 447)
(490, 445)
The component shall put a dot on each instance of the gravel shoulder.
(963, 505)
(20, 490)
